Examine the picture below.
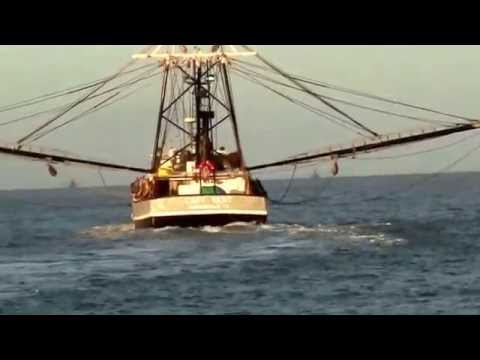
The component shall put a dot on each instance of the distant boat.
(73, 185)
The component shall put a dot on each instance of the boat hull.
(202, 210)
(197, 221)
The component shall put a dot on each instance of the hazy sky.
(443, 77)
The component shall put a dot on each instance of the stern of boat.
(189, 202)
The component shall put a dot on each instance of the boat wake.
(110, 232)
(376, 234)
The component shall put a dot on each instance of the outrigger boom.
(59, 159)
(377, 143)
(365, 146)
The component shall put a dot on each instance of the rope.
(126, 84)
(66, 92)
(420, 152)
(311, 93)
(442, 170)
(101, 105)
(78, 102)
(301, 202)
(97, 107)
(339, 121)
(411, 187)
(289, 186)
(101, 177)
(364, 107)
(358, 93)
(429, 177)
(305, 201)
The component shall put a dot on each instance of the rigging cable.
(289, 186)
(91, 110)
(177, 109)
(170, 111)
(394, 102)
(442, 170)
(360, 93)
(94, 108)
(66, 92)
(429, 177)
(101, 177)
(410, 117)
(341, 122)
(421, 152)
(99, 106)
(315, 95)
(181, 88)
(282, 201)
(78, 102)
(413, 186)
(126, 84)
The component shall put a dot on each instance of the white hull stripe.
(200, 212)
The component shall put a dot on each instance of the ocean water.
(374, 245)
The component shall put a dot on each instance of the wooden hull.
(202, 210)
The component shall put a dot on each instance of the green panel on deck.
(212, 190)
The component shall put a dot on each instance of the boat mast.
(157, 153)
(228, 90)
(203, 63)
(204, 114)
(198, 103)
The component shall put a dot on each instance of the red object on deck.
(207, 170)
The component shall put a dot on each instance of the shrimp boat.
(197, 182)
(197, 173)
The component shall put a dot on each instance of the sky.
(441, 77)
